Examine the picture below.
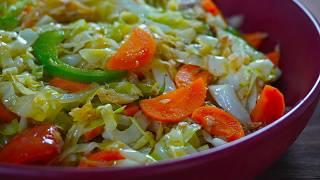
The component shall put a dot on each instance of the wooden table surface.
(302, 161)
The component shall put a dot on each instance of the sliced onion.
(252, 99)
(217, 65)
(72, 60)
(29, 35)
(162, 76)
(212, 140)
(226, 97)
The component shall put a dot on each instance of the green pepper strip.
(46, 51)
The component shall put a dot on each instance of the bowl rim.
(313, 93)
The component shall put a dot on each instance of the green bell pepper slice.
(46, 51)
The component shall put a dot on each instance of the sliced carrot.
(218, 123)
(102, 158)
(274, 56)
(131, 109)
(39, 144)
(110, 155)
(88, 136)
(68, 85)
(28, 9)
(189, 73)
(211, 7)
(136, 52)
(255, 39)
(270, 106)
(176, 105)
(29, 23)
(6, 115)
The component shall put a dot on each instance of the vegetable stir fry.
(109, 83)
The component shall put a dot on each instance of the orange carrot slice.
(210, 6)
(189, 73)
(67, 85)
(255, 39)
(270, 106)
(176, 105)
(218, 123)
(6, 115)
(274, 56)
(39, 144)
(136, 52)
(102, 158)
(131, 109)
(88, 136)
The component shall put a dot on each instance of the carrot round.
(211, 7)
(88, 136)
(40, 144)
(104, 158)
(176, 105)
(189, 73)
(131, 109)
(6, 115)
(136, 52)
(255, 39)
(274, 56)
(67, 85)
(218, 123)
(270, 106)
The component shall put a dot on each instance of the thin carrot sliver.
(68, 85)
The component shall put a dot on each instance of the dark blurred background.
(302, 161)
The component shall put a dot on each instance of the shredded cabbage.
(176, 142)
(94, 30)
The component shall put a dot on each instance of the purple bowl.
(296, 30)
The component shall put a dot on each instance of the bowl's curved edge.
(309, 99)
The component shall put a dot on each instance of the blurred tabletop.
(302, 161)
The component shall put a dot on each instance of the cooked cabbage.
(94, 30)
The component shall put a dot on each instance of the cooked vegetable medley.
(103, 83)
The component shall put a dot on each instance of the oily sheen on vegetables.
(113, 83)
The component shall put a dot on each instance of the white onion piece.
(262, 68)
(252, 99)
(212, 140)
(217, 65)
(226, 97)
(218, 142)
(162, 76)
(72, 60)
(29, 35)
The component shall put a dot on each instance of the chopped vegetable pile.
(109, 83)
